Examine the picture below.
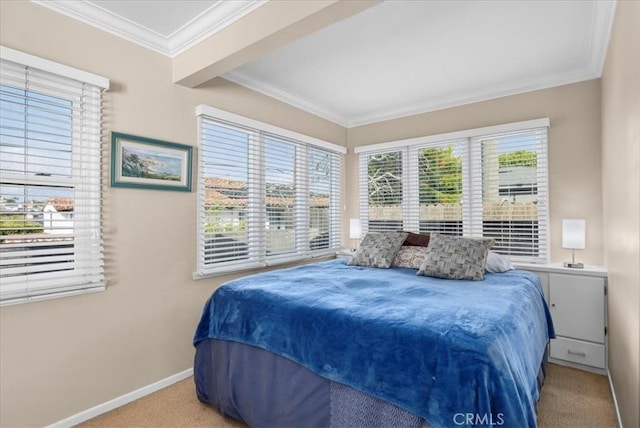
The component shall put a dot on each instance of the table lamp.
(355, 230)
(573, 237)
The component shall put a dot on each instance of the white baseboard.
(615, 401)
(121, 401)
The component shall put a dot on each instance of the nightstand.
(577, 299)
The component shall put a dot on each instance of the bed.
(328, 344)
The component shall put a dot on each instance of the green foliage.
(217, 224)
(518, 158)
(439, 176)
(18, 225)
(215, 227)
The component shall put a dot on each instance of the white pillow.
(497, 263)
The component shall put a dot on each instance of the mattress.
(435, 348)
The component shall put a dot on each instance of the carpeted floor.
(570, 398)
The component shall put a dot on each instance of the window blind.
(264, 198)
(489, 182)
(382, 196)
(440, 187)
(512, 194)
(50, 154)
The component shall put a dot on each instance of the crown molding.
(457, 100)
(601, 25)
(217, 17)
(220, 15)
(285, 96)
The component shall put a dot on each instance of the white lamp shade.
(355, 228)
(573, 234)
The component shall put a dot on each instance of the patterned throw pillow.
(378, 249)
(410, 257)
(455, 257)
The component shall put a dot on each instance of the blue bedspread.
(446, 350)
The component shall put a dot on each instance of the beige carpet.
(570, 398)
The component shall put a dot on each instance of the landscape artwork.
(140, 162)
(148, 163)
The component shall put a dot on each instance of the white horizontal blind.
(512, 195)
(50, 210)
(281, 193)
(264, 198)
(492, 185)
(228, 191)
(324, 199)
(382, 197)
(440, 187)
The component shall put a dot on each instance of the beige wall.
(574, 150)
(621, 205)
(63, 356)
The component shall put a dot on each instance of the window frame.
(257, 256)
(472, 209)
(36, 286)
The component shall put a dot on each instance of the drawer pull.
(580, 354)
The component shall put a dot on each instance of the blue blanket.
(454, 352)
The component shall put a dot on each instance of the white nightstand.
(577, 300)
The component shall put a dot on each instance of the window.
(384, 190)
(266, 195)
(50, 238)
(488, 182)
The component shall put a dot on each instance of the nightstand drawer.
(589, 354)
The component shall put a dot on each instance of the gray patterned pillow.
(455, 257)
(378, 249)
(410, 257)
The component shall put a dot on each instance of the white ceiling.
(394, 59)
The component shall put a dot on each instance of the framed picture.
(145, 163)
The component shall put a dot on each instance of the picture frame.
(146, 163)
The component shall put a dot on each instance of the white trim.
(217, 17)
(597, 271)
(100, 287)
(205, 110)
(286, 97)
(485, 94)
(121, 400)
(601, 25)
(240, 268)
(29, 60)
(615, 400)
(457, 135)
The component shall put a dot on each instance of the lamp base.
(573, 265)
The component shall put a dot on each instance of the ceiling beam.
(267, 28)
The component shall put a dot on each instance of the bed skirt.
(263, 389)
